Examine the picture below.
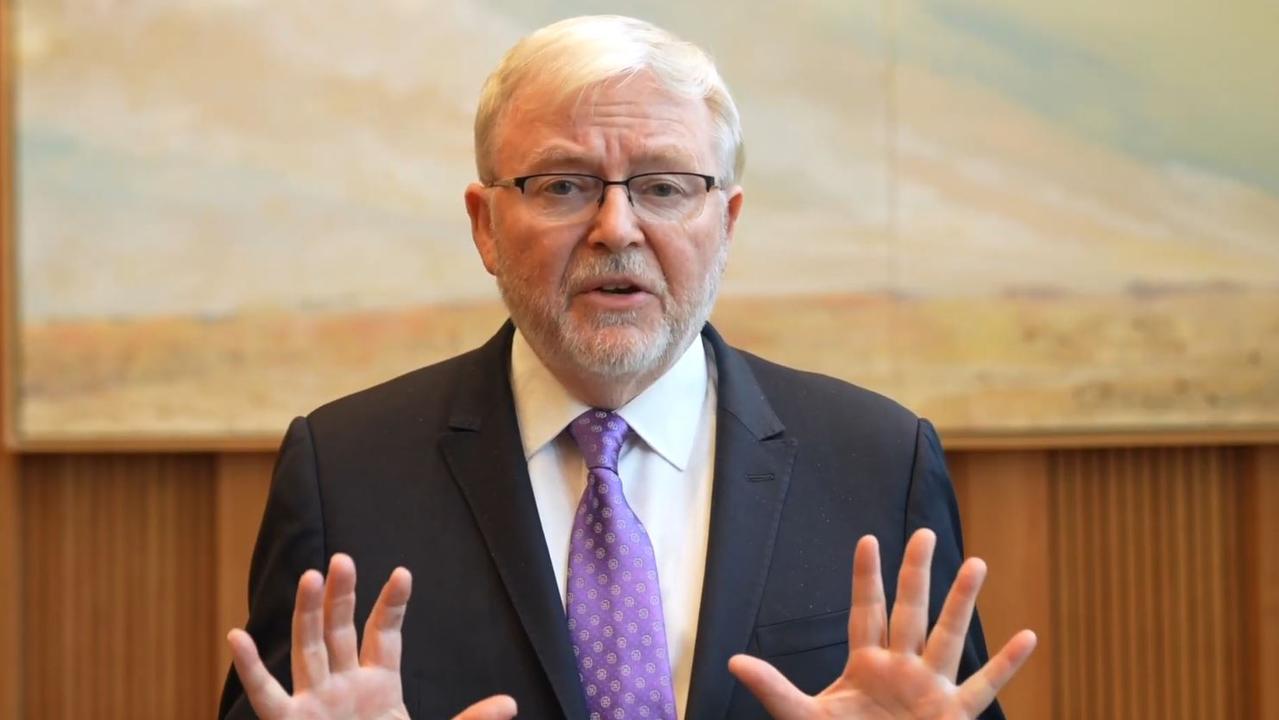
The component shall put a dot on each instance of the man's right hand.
(330, 679)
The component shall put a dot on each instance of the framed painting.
(1014, 218)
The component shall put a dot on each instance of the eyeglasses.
(572, 197)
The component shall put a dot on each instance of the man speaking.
(607, 511)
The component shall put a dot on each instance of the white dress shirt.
(666, 467)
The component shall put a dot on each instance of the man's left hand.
(891, 671)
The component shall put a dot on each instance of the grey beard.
(549, 329)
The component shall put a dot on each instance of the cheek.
(687, 257)
(541, 256)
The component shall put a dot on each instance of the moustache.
(591, 269)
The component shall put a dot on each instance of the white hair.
(573, 55)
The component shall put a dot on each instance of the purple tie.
(614, 604)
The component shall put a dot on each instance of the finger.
(909, 621)
(498, 707)
(339, 614)
(382, 640)
(869, 617)
(979, 691)
(310, 657)
(946, 643)
(268, 698)
(779, 697)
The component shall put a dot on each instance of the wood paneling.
(1004, 503)
(11, 616)
(241, 485)
(1151, 576)
(118, 586)
(1148, 584)
(1260, 537)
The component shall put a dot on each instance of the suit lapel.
(484, 453)
(752, 473)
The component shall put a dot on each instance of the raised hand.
(891, 671)
(330, 680)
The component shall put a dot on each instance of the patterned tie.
(614, 604)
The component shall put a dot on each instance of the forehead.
(617, 125)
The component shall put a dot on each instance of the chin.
(617, 350)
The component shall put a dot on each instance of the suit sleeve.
(931, 504)
(290, 541)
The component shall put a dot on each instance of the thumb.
(779, 697)
(498, 707)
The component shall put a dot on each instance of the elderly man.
(608, 511)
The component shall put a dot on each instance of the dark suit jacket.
(427, 471)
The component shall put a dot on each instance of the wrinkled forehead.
(633, 119)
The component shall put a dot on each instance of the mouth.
(616, 286)
(616, 293)
(619, 290)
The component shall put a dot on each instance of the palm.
(333, 679)
(882, 684)
(372, 693)
(891, 672)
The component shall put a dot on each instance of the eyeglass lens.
(660, 197)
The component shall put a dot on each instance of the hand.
(891, 672)
(329, 680)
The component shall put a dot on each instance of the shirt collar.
(666, 415)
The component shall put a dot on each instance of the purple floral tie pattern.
(614, 603)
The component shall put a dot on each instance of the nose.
(615, 225)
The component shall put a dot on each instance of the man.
(605, 503)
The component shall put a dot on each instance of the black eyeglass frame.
(519, 182)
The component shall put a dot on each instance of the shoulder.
(420, 398)
(803, 397)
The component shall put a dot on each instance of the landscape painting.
(1012, 217)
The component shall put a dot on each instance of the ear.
(732, 210)
(481, 212)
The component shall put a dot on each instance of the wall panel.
(1004, 503)
(1150, 608)
(11, 611)
(1150, 575)
(240, 487)
(118, 586)
(1260, 538)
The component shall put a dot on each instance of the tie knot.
(599, 435)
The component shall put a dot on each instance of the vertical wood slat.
(1149, 633)
(118, 584)
(1260, 568)
(1130, 565)
(1179, 627)
(1103, 518)
(1149, 603)
(241, 485)
(1004, 505)
(1215, 563)
(12, 669)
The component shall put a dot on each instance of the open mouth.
(619, 289)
